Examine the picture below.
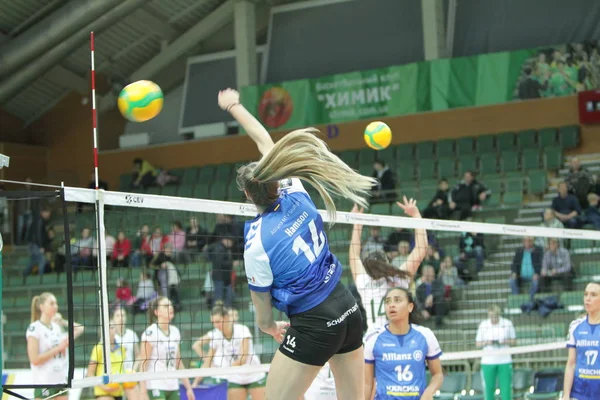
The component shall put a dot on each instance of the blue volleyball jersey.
(286, 252)
(399, 360)
(585, 339)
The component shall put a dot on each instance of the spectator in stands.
(168, 276)
(4, 208)
(566, 207)
(467, 195)
(471, 245)
(385, 190)
(549, 220)
(37, 242)
(123, 294)
(52, 249)
(592, 214)
(145, 293)
(177, 239)
(496, 333)
(373, 243)
(530, 87)
(121, 251)
(438, 206)
(449, 274)
(141, 247)
(396, 236)
(579, 181)
(219, 254)
(196, 238)
(560, 83)
(556, 265)
(403, 250)
(144, 174)
(430, 296)
(432, 258)
(526, 266)
(109, 243)
(85, 250)
(157, 243)
(24, 216)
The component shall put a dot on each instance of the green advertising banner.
(427, 86)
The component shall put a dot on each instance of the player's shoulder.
(372, 336)
(577, 323)
(242, 329)
(423, 331)
(151, 331)
(33, 327)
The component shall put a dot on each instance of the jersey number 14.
(318, 242)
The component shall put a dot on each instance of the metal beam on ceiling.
(51, 31)
(202, 30)
(186, 11)
(155, 24)
(68, 79)
(47, 60)
(34, 17)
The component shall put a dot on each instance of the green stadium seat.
(485, 144)
(521, 382)
(571, 298)
(218, 190)
(349, 157)
(488, 164)
(513, 198)
(553, 158)
(588, 269)
(381, 209)
(495, 220)
(494, 200)
(528, 332)
(454, 383)
(495, 185)
(537, 181)
(190, 176)
(515, 300)
(186, 191)
(505, 141)
(425, 150)
(125, 182)
(509, 162)
(577, 244)
(366, 157)
(223, 172)
(169, 190)
(405, 152)
(467, 163)
(202, 191)
(514, 185)
(464, 146)
(554, 330)
(547, 137)
(388, 157)
(446, 168)
(445, 148)
(424, 197)
(365, 169)
(426, 170)
(153, 190)
(233, 193)
(526, 139)
(568, 136)
(530, 159)
(206, 174)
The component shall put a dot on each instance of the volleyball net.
(191, 251)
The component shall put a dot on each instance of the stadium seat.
(349, 157)
(381, 209)
(553, 158)
(528, 332)
(446, 168)
(509, 162)
(125, 182)
(475, 391)
(405, 152)
(530, 159)
(425, 150)
(495, 185)
(467, 163)
(202, 191)
(186, 191)
(513, 198)
(454, 383)
(366, 157)
(547, 137)
(495, 220)
(513, 185)
(488, 164)
(445, 148)
(464, 146)
(547, 384)
(387, 156)
(526, 139)
(568, 136)
(153, 190)
(588, 270)
(206, 174)
(223, 172)
(190, 176)
(485, 144)
(572, 299)
(169, 190)
(505, 141)
(537, 182)
(427, 170)
(521, 382)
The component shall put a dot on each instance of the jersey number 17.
(318, 242)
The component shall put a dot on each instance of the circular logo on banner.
(275, 108)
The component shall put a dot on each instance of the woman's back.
(287, 253)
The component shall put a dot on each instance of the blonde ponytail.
(301, 154)
(36, 302)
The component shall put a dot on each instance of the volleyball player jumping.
(583, 365)
(288, 262)
(374, 275)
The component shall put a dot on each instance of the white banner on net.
(158, 202)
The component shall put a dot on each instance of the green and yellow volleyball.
(140, 101)
(378, 135)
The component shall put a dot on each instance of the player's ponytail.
(36, 302)
(301, 154)
(152, 308)
(377, 266)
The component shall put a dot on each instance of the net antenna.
(4, 163)
(100, 231)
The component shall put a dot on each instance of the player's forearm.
(435, 383)
(568, 381)
(253, 127)
(45, 357)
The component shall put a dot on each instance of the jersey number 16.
(318, 242)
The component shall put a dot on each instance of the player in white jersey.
(288, 262)
(397, 355)
(582, 373)
(231, 345)
(374, 275)
(160, 352)
(129, 340)
(47, 345)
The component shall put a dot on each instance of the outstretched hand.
(228, 98)
(410, 207)
(357, 210)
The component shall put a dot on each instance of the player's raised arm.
(229, 100)
(356, 265)
(415, 258)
